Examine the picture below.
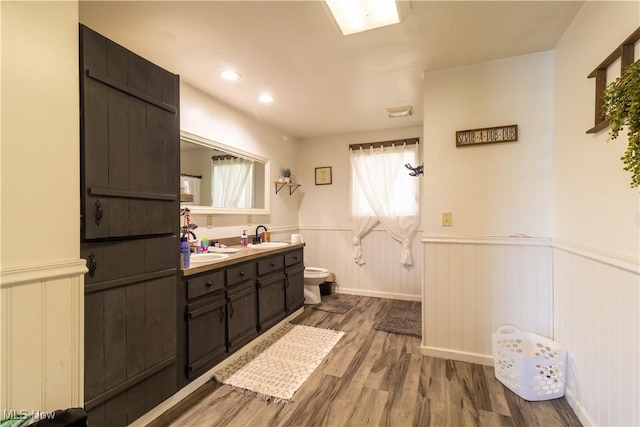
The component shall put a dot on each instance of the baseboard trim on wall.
(577, 407)
(375, 294)
(608, 257)
(36, 273)
(461, 356)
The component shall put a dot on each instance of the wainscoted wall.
(596, 306)
(472, 285)
(42, 337)
(382, 276)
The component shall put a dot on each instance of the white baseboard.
(376, 294)
(204, 378)
(580, 411)
(461, 356)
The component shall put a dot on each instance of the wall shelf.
(281, 185)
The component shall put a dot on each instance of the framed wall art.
(323, 175)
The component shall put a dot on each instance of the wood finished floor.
(375, 378)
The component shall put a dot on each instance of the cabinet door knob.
(242, 273)
(99, 212)
(209, 284)
(272, 264)
(92, 264)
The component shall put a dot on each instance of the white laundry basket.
(531, 366)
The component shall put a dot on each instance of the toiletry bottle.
(185, 251)
(244, 239)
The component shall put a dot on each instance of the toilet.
(313, 277)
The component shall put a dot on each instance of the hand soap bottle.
(244, 239)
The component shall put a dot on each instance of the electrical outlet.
(446, 219)
(209, 221)
(249, 219)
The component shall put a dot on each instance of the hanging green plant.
(622, 108)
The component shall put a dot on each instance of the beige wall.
(41, 333)
(498, 189)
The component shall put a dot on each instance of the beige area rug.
(276, 367)
(404, 319)
(337, 303)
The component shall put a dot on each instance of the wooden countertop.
(245, 254)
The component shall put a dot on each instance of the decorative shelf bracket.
(281, 185)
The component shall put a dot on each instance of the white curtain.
(232, 183)
(193, 184)
(384, 190)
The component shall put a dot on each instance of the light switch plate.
(446, 219)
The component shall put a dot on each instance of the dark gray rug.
(402, 319)
(337, 303)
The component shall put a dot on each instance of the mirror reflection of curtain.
(232, 183)
(193, 184)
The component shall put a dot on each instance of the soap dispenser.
(244, 239)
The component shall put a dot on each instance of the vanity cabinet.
(294, 272)
(206, 341)
(206, 321)
(271, 291)
(226, 307)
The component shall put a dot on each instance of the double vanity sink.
(200, 260)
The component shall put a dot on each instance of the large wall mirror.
(218, 179)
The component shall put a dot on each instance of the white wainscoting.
(596, 313)
(42, 337)
(382, 276)
(472, 285)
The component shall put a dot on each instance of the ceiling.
(324, 83)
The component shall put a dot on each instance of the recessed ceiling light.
(354, 16)
(400, 111)
(230, 74)
(266, 98)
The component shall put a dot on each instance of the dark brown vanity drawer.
(270, 264)
(241, 273)
(205, 284)
(293, 257)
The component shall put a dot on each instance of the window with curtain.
(384, 193)
(232, 183)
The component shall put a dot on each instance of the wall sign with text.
(486, 135)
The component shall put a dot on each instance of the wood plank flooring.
(375, 378)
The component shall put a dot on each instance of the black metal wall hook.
(416, 171)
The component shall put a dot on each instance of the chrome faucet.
(258, 238)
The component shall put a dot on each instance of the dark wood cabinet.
(242, 323)
(129, 164)
(271, 300)
(130, 328)
(227, 307)
(129, 142)
(206, 341)
(294, 272)
(271, 289)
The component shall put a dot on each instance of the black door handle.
(92, 264)
(99, 212)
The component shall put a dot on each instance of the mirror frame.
(208, 210)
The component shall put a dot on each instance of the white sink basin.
(267, 245)
(200, 259)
